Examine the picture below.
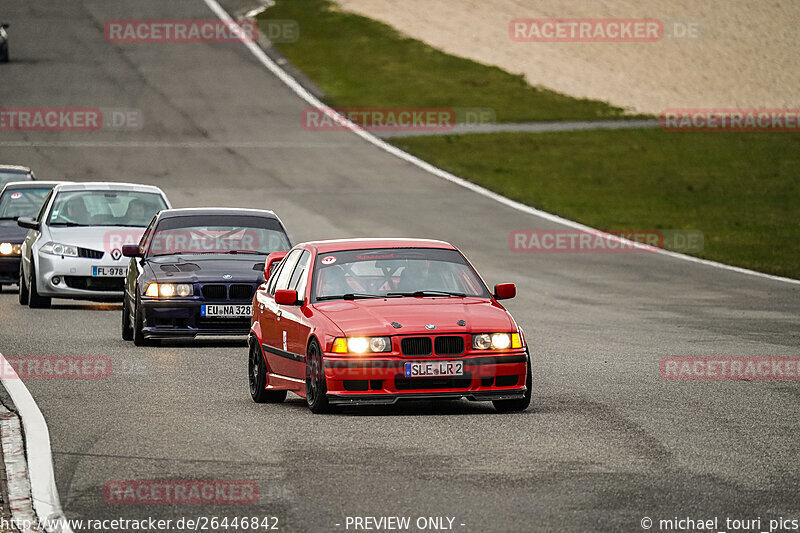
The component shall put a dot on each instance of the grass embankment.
(360, 62)
(742, 190)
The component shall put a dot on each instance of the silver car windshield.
(105, 208)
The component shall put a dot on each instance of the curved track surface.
(607, 441)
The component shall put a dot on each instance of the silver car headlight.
(55, 248)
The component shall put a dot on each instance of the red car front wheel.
(316, 389)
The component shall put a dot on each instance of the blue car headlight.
(169, 290)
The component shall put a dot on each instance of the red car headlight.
(496, 341)
(359, 345)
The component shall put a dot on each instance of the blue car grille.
(215, 292)
(241, 292)
(236, 291)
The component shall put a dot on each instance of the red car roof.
(358, 244)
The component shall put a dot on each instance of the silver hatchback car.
(73, 249)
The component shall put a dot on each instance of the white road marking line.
(37, 441)
(367, 136)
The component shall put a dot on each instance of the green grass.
(359, 62)
(742, 190)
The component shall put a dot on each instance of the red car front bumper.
(382, 380)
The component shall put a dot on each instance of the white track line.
(37, 442)
(367, 136)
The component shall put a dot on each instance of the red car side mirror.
(272, 260)
(131, 250)
(285, 297)
(504, 291)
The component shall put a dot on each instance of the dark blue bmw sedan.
(194, 272)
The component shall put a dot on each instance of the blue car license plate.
(226, 311)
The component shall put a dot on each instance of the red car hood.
(375, 317)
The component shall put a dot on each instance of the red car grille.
(442, 345)
(416, 346)
(449, 345)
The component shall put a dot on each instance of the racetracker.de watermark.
(179, 31)
(141, 31)
(602, 30)
(737, 120)
(414, 119)
(70, 119)
(180, 492)
(730, 368)
(55, 367)
(606, 241)
(585, 30)
(184, 240)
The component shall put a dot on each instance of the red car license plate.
(419, 369)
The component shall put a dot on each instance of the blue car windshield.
(217, 234)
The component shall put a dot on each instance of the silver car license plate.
(109, 272)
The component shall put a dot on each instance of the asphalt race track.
(607, 441)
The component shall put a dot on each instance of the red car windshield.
(395, 272)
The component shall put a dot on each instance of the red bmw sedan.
(374, 321)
